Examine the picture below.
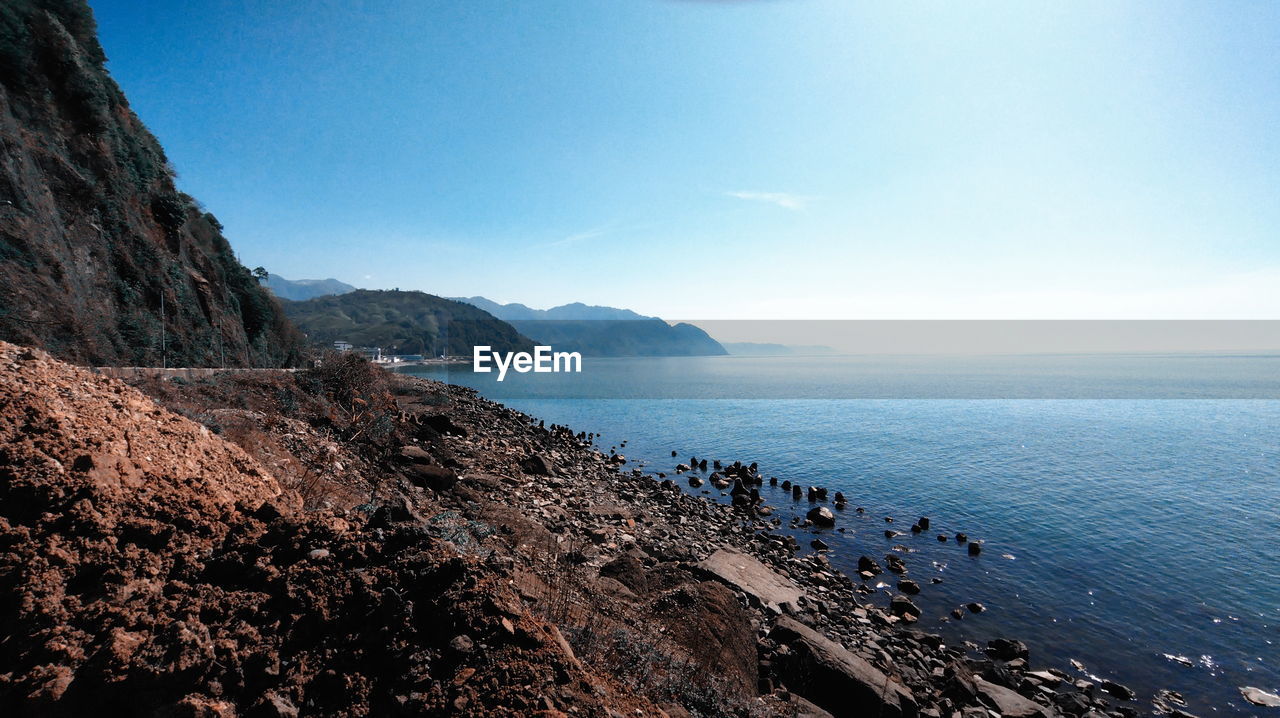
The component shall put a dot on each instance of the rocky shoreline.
(407, 547)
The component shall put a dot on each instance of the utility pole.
(164, 349)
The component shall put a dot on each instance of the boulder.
(431, 476)
(868, 564)
(836, 680)
(821, 516)
(902, 606)
(908, 586)
(763, 585)
(1006, 649)
(1008, 703)
(1117, 690)
(537, 465)
(415, 455)
(975, 548)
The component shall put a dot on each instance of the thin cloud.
(785, 200)
(581, 237)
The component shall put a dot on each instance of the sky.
(766, 159)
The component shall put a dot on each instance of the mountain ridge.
(300, 290)
(570, 311)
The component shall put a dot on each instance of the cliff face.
(102, 260)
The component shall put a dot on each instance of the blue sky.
(767, 159)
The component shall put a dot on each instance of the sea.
(1128, 505)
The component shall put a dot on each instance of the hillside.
(602, 331)
(102, 259)
(403, 323)
(300, 290)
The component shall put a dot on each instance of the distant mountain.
(403, 323)
(300, 290)
(602, 331)
(759, 349)
(574, 311)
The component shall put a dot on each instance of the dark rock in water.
(840, 496)
(714, 464)
(773, 481)
(957, 613)
(935, 580)
(916, 528)
(821, 516)
(681, 468)
(674, 454)
(739, 488)
(895, 563)
(860, 510)
(436, 478)
(908, 587)
(796, 491)
(1006, 649)
(888, 519)
(702, 465)
(1116, 690)
(1256, 696)
(813, 493)
(961, 538)
(786, 485)
(819, 545)
(975, 548)
(868, 564)
(902, 606)
(695, 481)
(821, 491)
(841, 682)
(975, 607)
(741, 499)
(924, 522)
(942, 538)
(890, 533)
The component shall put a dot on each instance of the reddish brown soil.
(149, 567)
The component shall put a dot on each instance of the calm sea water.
(1130, 505)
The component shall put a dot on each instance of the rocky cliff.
(102, 260)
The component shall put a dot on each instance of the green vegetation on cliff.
(403, 323)
(102, 260)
